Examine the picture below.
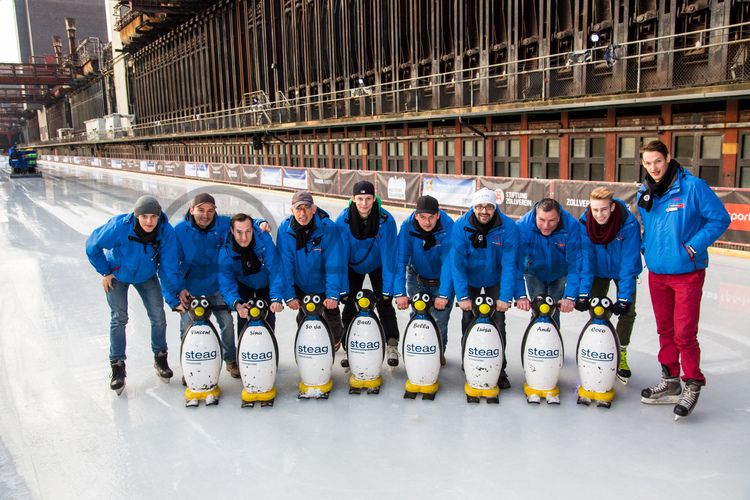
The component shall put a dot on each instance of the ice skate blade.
(472, 399)
(623, 380)
(192, 403)
(248, 404)
(410, 395)
(583, 401)
(533, 399)
(604, 404)
(263, 404)
(212, 400)
(119, 391)
(666, 400)
(373, 390)
(355, 390)
(493, 401)
(553, 401)
(164, 379)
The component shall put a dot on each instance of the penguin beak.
(599, 311)
(544, 309)
(484, 309)
(364, 302)
(310, 307)
(254, 312)
(420, 305)
(199, 311)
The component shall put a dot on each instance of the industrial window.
(587, 159)
(395, 156)
(544, 158)
(322, 155)
(743, 179)
(445, 157)
(309, 154)
(629, 157)
(418, 156)
(355, 156)
(339, 155)
(506, 158)
(295, 160)
(473, 157)
(374, 155)
(701, 155)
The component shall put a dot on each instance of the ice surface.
(65, 434)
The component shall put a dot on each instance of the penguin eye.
(194, 303)
(489, 301)
(204, 302)
(425, 297)
(306, 299)
(360, 295)
(260, 304)
(606, 303)
(549, 301)
(594, 302)
(478, 301)
(415, 298)
(316, 299)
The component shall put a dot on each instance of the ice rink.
(65, 434)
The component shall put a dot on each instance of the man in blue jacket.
(484, 243)
(129, 250)
(423, 261)
(311, 259)
(549, 256)
(200, 235)
(611, 250)
(249, 268)
(368, 235)
(681, 218)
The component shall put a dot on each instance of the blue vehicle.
(23, 162)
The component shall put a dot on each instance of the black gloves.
(582, 303)
(620, 307)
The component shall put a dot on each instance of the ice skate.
(502, 381)
(212, 400)
(583, 400)
(391, 353)
(117, 383)
(355, 390)
(410, 395)
(162, 367)
(263, 404)
(623, 370)
(493, 400)
(344, 362)
(553, 400)
(233, 369)
(373, 390)
(472, 399)
(688, 400)
(192, 403)
(248, 404)
(603, 404)
(533, 399)
(668, 391)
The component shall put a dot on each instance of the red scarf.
(604, 234)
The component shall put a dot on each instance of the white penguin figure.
(542, 353)
(314, 351)
(482, 353)
(257, 357)
(365, 346)
(597, 355)
(421, 350)
(201, 356)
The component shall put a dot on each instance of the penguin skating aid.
(542, 353)
(421, 349)
(365, 346)
(201, 356)
(314, 351)
(597, 355)
(482, 353)
(258, 357)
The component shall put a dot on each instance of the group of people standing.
(546, 252)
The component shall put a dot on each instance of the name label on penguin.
(200, 355)
(257, 356)
(590, 355)
(599, 329)
(484, 329)
(534, 352)
(312, 350)
(197, 330)
(420, 349)
(360, 345)
(423, 326)
(476, 352)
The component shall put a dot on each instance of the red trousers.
(677, 303)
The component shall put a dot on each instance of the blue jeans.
(117, 298)
(226, 326)
(414, 286)
(554, 289)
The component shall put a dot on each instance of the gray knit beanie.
(147, 205)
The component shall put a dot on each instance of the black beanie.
(427, 205)
(364, 187)
(147, 205)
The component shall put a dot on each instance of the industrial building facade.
(565, 89)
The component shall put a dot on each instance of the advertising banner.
(217, 171)
(115, 163)
(574, 195)
(348, 178)
(148, 166)
(271, 176)
(516, 196)
(737, 204)
(324, 180)
(452, 191)
(199, 170)
(249, 174)
(398, 187)
(295, 178)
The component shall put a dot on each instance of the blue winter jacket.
(484, 267)
(433, 264)
(198, 256)
(689, 214)
(365, 256)
(318, 267)
(114, 248)
(270, 274)
(549, 258)
(620, 259)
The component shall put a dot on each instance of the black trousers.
(332, 317)
(498, 318)
(386, 312)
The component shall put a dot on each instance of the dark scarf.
(302, 233)
(250, 262)
(196, 226)
(604, 234)
(654, 188)
(479, 232)
(143, 236)
(364, 228)
(427, 236)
